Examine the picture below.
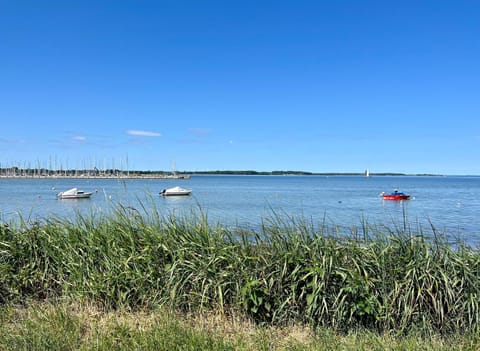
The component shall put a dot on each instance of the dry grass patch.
(238, 329)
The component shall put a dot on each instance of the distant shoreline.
(183, 176)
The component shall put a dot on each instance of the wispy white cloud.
(12, 141)
(79, 139)
(143, 133)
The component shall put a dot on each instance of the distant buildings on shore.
(17, 172)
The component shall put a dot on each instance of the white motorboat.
(74, 193)
(176, 191)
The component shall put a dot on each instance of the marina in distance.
(342, 201)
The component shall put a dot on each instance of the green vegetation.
(374, 283)
(83, 327)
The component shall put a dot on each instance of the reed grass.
(290, 271)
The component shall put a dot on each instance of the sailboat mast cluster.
(84, 170)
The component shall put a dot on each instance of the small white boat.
(74, 193)
(175, 191)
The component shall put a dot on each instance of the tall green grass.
(288, 271)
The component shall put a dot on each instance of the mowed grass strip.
(82, 326)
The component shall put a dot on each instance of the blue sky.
(320, 86)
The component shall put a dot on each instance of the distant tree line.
(18, 171)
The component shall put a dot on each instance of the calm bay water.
(451, 204)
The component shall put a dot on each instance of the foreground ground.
(67, 326)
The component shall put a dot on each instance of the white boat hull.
(74, 193)
(176, 191)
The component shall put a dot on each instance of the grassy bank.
(75, 326)
(377, 279)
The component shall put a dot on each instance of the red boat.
(396, 195)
